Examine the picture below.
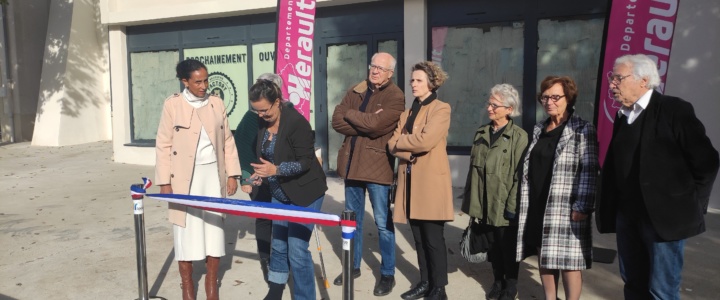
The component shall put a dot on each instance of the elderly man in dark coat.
(656, 181)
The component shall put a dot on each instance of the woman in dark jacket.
(287, 164)
(246, 142)
(492, 183)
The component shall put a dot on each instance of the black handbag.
(476, 241)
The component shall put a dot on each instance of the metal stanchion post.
(140, 242)
(347, 257)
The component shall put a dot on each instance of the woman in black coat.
(287, 164)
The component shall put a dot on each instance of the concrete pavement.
(66, 232)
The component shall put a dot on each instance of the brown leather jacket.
(370, 160)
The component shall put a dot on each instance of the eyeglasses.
(493, 105)
(616, 79)
(555, 98)
(262, 111)
(379, 68)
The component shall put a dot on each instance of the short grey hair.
(509, 97)
(392, 59)
(642, 67)
(275, 78)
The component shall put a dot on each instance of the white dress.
(203, 234)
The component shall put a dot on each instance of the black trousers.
(431, 251)
(263, 227)
(502, 253)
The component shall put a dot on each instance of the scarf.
(195, 101)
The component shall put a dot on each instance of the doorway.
(342, 63)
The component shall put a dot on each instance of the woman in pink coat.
(196, 155)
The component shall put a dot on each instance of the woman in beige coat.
(196, 155)
(424, 194)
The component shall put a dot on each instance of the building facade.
(479, 43)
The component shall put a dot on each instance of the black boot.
(495, 290)
(510, 291)
(418, 291)
(437, 293)
(275, 292)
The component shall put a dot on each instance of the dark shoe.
(188, 288)
(510, 291)
(418, 291)
(437, 293)
(275, 292)
(338, 280)
(508, 294)
(495, 290)
(385, 285)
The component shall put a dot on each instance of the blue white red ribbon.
(254, 209)
(138, 191)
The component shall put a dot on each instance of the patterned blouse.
(286, 168)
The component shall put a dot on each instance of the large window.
(476, 58)
(233, 49)
(228, 77)
(152, 75)
(571, 47)
(520, 42)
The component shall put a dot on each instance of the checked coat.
(566, 244)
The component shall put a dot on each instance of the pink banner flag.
(294, 51)
(635, 27)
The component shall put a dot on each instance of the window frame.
(456, 13)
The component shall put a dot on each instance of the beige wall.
(74, 103)
(136, 12)
(26, 25)
(693, 70)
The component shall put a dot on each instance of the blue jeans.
(355, 201)
(649, 266)
(290, 244)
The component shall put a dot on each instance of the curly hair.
(184, 69)
(436, 76)
(568, 85)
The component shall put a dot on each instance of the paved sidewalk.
(66, 232)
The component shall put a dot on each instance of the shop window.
(572, 48)
(228, 77)
(476, 58)
(263, 59)
(153, 80)
(390, 46)
(348, 65)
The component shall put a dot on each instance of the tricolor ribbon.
(138, 191)
(254, 209)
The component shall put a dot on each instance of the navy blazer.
(295, 141)
(678, 166)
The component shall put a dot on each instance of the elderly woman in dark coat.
(558, 191)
